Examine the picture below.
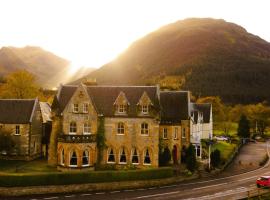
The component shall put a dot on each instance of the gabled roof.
(17, 111)
(174, 106)
(205, 108)
(103, 97)
(45, 111)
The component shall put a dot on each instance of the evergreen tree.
(165, 156)
(243, 130)
(191, 161)
(215, 158)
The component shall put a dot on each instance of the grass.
(226, 149)
(36, 166)
(219, 128)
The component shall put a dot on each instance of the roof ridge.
(17, 99)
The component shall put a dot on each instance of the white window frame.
(85, 107)
(120, 128)
(75, 107)
(88, 157)
(175, 136)
(108, 155)
(17, 130)
(144, 154)
(70, 156)
(144, 130)
(72, 133)
(122, 108)
(132, 153)
(145, 109)
(165, 133)
(120, 153)
(87, 127)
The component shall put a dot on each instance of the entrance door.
(175, 154)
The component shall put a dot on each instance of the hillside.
(49, 69)
(206, 56)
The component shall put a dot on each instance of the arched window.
(85, 158)
(111, 157)
(86, 128)
(144, 129)
(73, 159)
(147, 159)
(72, 128)
(62, 157)
(120, 128)
(123, 156)
(135, 156)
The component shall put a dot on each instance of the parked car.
(263, 181)
(221, 138)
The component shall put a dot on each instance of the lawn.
(36, 166)
(219, 128)
(226, 149)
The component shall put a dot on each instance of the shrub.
(191, 161)
(215, 158)
(165, 157)
(66, 178)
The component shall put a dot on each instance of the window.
(121, 108)
(120, 128)
(62, 157)
(75, 107)
(175, 133)
(85, 108)
(73, 159)
(17, 130)
(147, 159)
(135, 156)
(85, 158)
(144, 109)
(123, 157)
(184, 133)
(165, 133)
(72, 128)
(144, 129)
(86, 128)
(111, 158)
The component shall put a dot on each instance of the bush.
(165, 157)
(215, 158)
(66, 178)
(191, 161)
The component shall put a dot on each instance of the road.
(231, 187)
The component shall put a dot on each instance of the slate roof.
(174, 106)
(45, 111)
(103, 97)
(16, 111)
(205, 108)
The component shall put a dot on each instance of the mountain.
(204, 55)
(49, 69)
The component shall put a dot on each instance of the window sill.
(87, 133)
(122, 163)
(120, 134)
(86, 165)
(110, 162)
(135, 163)
(72, 133)
(17, 134)
(73, 166)
(147, 164)
(145, 135)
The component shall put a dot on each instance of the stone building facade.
(136, 120)
(22, 120)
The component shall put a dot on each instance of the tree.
(191, 161)
(215, 158)
(243, 127)
(165, 156)
(6, 142)
(20, 85)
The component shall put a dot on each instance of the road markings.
(100, 193)
(51, 198)
(129, 190)
(152, 188)
(112, 192)
(156, 195)
(247, 178)
(209, 186)
(86, 194)
(141, 189)
(70, 196)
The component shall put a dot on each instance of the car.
(263, 181)
(221, 138)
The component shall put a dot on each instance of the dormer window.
(85, 108)
(121, 108)
(145, 109)
(75, 108)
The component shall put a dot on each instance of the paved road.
(231, 187)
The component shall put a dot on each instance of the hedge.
(66, 178)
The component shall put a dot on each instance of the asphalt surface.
(230, 187)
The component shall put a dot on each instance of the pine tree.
(243, 130)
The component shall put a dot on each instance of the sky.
(91, 33)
